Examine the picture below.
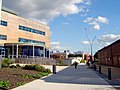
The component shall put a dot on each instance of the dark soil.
(14, 75)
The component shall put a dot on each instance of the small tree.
(6, 62)
(19, 51)
(8, 51)
(60, 61)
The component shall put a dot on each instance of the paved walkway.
(69, 79)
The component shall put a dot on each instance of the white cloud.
(96, 27)
(101, 19)
(43, 21)
(47, 9)
(57, 46)
(55, 43)
(107, 39)
(89, 19)
(65, 23)
(96, 22)
(88, 3)
(85, 42)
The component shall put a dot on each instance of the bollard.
(54, 69)
(100, 69)
(109, 73)
(95, 67)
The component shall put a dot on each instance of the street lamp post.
(91, 45)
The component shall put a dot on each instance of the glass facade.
(28, 51)
(30, 41)
(31, 30)
(3, 23)
(3, 37)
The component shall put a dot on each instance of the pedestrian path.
(69, 78)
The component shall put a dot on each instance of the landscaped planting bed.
(14, 76)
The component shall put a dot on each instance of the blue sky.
(72, 33)
(69, 18)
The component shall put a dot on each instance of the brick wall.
(110, 55)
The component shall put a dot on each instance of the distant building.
(59, 55)
(66, 57)
(110, 55)
(79, 52)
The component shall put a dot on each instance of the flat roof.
(10, 11)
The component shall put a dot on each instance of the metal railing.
(37, 60)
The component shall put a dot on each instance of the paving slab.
(69, 78)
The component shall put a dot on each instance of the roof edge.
(10, 11)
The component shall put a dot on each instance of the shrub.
(27, 76)
(44, 74)
(37, 76)
(17, 65)
(60, 61)
(19, 84)
(29, 67)
(35, 67)
(6, 62)
(4, 84)
(13, 66)
(47, 70)
(82, 61)
(39, 68)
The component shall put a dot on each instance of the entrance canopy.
(23, 44)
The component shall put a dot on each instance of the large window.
(3, 37)
(30, 41)
(31, 30)
(3, 23)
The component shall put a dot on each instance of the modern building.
(110, 55)
(23, 37)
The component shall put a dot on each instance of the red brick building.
(110, 55)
